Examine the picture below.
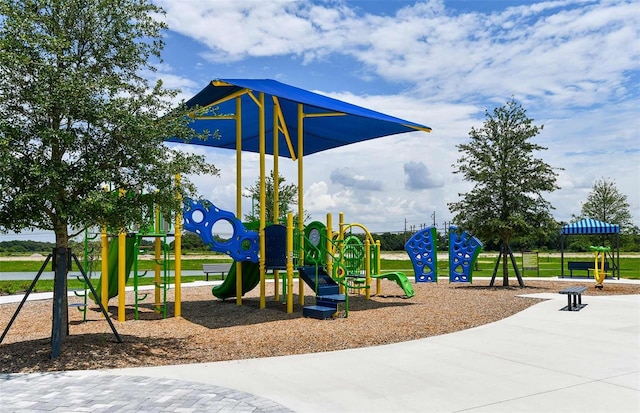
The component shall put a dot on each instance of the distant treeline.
(388, 242)
(23, 247)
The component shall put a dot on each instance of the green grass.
(143, 265)
(21, 286)
(18, 286)
(549, 267)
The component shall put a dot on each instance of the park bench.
(584, 265)
(215, 269)
(574, 292)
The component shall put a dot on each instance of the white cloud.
(573, 64)
(573, 57)
(419, 177)
(236, 29)
(349, 178)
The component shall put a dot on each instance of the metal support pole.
(495, 269)
(26, 295)
(562, 237)
(515, 267)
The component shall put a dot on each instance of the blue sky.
(574, 66)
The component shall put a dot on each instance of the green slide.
(250, 278)
(401, 279)
(113, 267)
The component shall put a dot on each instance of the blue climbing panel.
(275, 239)
(200, 217)
(423, 251)
(463, 253)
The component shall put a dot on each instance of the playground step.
(328, 290)
(327, 303)
(336, 298)
(319, 312)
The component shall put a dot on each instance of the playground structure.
(333, 264)
(464, 249)
(89, 267)
(342, 264)
(598, 264)
(292, 116)
(120, 259)
(353, 265)
(239, 114)
(330, 263)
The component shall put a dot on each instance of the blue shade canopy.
(590, 226)
(328, 123)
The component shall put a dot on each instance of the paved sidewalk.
(540, 359)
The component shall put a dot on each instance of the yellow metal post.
(157, 254)
(329, 244)
(157, 244)
(239, 190)
(378, 268)
(276, 188)
(367, 268)
(178, 255)
(121, 268)
(290, 263)
(340, 243)
(300, 196)
(263, 301)
(121, 274)
(104, 295)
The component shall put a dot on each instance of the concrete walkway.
(540, 359)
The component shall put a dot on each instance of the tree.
(192, 242)
(506, 201)
(77, 113)
(391, 242)
(287, 199)
(605, 203)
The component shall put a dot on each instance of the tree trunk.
(505, 264)
(60, 320)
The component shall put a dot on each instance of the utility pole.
(434, 218)
(405, 230)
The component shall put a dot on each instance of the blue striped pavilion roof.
(590, 226)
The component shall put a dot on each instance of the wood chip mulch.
(214, 330)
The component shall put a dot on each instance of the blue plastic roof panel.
(355, 124)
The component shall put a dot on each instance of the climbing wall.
(200, 217)
(422, 249)
(463, 253)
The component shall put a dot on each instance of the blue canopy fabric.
(328, 123)
(590, 226)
